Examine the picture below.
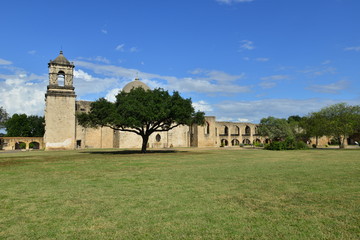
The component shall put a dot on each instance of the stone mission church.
(63, 132)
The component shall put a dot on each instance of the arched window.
(246, 141)
(224, 131)
(207, 128)
(61, 78)
(236, 131)
(247, 130)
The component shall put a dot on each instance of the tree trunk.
(144, 143)
(342, 142)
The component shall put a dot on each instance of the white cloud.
(5, 62)
(80, 74)
(275, 77)
(266, 85)
(134, 49)
(253, 111)
(213, 82)
(326, 62)
(262, 59)
(202, 106)
(110, 96)
(229, 2)
(120, 47)
(96, 59)
(246, 45)
(23, 93)
(356, 49)
(104, 31)
(319, 71)
(216, 75)
(330, 88)
(32, 52)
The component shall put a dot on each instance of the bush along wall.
(288, 144)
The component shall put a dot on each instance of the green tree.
(275, 128)
(142, 112)
(342, 120)
(294, 123)
(3, 117)
(21, 125)
(313, 126)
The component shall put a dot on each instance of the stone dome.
(61, 60)
(135, 84)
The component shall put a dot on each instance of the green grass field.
(202, 194)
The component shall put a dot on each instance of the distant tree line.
(338, 121)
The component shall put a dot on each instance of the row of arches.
(236, 142)
(234, 131)
(23, 145)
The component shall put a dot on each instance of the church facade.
(63, 132)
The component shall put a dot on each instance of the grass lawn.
(202, 194)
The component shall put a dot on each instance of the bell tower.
(60, 105)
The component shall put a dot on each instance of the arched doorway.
(34, 145)
(224, 142)
(20, 145)
(235, 142)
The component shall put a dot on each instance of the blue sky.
(239, 60)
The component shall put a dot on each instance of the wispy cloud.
(246, 45)
(215, 75)
(319, 71)
(96, 59)
(32, 52)
(267, 85)
(120, 47)
(209, 81)
(5, 62)
(262, 59)
(355, 48)
(229, 2)
(275, 77)
(281, 108)
(134, 49)
(332, 88)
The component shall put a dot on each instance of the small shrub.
(314, 145)
(301, 145)
(241, 145)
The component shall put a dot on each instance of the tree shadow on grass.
(128, 152)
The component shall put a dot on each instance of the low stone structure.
(15, 143)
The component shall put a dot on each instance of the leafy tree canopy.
(340, 121)
(142, 112)
(275, 128)
(21, 125)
